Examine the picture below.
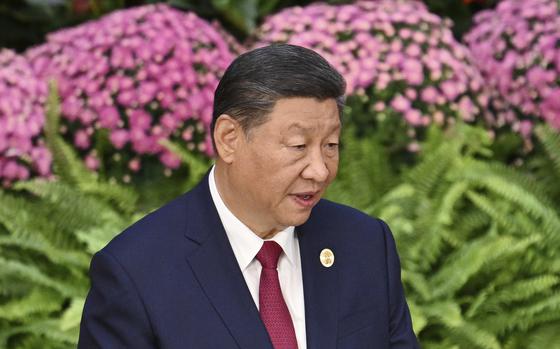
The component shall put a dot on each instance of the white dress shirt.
(246, 245)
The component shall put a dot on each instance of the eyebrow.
(300, 127)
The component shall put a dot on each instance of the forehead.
(304, 114)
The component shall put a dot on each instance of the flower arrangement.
(516, 47)
(22, 116)
(401, 59)
(132, 79)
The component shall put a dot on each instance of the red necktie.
(273, 309)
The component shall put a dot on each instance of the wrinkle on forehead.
(303, 116)
(313, 126)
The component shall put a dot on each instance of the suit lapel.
(213, 262)
(320, 285)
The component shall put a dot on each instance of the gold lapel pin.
(327, 257)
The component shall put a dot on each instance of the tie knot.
(269, 254)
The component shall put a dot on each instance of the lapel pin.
(327, 257)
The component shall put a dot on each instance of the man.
(252, 257)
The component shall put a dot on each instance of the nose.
(316, 169)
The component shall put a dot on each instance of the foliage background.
(476, 214)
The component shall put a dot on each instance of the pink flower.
(92, 162)
(400, 104)
(429, 95)
(119, 138)
(413, 117)
(140, 119)
(10, 170)
(466, 109)
(134, 165)
(170, 160)
(42, 159)
(139, 74)
(169, 122)
(526, 128)
(109, 117)
(516, 49)
(81, 139)
(449, 89)
(550, 108)
(398, 53)
(22, 98)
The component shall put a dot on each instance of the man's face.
(282, 168)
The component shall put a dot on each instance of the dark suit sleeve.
(400, 324)
(114, 315)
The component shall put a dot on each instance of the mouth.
(306, 199)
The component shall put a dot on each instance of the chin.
(298, 219)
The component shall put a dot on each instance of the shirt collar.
(244, 242)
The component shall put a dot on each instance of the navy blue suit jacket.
(171, 281)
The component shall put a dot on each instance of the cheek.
(332, 166)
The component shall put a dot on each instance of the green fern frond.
(517, 291)
(66, 164)
(47, 328)
(33, 275)
(71, 169)
(22, 217)
(450, 198)
(550, 139)
(426, 175)
(439, 345)
(393, 201)
(428, 245)
(36, 243)
(71, 206)
(39, 342)
(470, 259)
(72, 315)
(419, 320)
(471, 220)
(551, 303)
(12, 287)
(365, 171)
(523, 198)
(30, 227)
(125, 198)
(96, 238)
(489, 207)
(446, 313)
(477, 234)
(514, 175)
(39, 300)
(528, 202)
(544, 337)
(524, 317)
(469, 335)
(417, 282)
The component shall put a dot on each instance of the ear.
(227, 133)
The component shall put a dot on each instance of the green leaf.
(72, 315)
(241, 13)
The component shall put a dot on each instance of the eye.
(331, 149)
(332, 145)
(298, 147)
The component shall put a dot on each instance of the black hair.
(256, 80)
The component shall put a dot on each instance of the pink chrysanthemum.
(402, 59)
(516, 47)
(134, 78)
(22, 97)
